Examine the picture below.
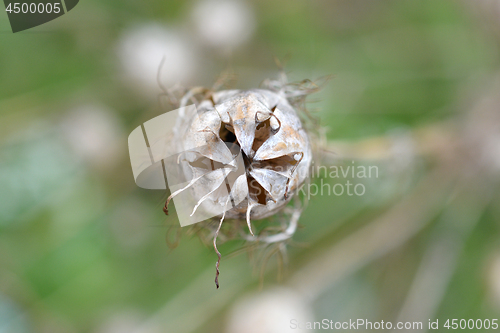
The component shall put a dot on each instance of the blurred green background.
(416, 92)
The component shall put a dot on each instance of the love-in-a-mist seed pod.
(247, 154)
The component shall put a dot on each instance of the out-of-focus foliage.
(415, 93)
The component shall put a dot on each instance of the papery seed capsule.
(247, 154)
(264, 128)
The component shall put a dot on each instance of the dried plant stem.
(378, 237)
(217, 272)
(430, 140)
(441, 258)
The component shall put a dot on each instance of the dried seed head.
(258, 125)
(246, 154)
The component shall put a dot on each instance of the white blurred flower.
(94, 133)
(224, 23)
(490, 7)
(142, 49)
(12, 318)
(492, 150)
(494, 280)
(270, 312)
(483, 129)
(35, 165)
